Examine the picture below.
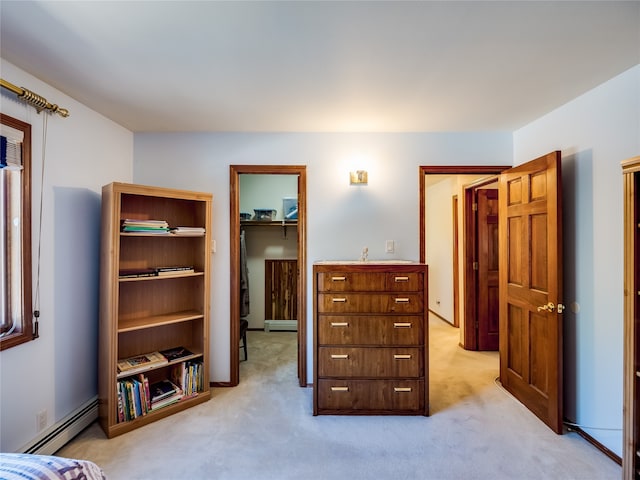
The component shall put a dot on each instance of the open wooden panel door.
(488, 270)
(530, 224)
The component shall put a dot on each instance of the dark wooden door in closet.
(280, 299)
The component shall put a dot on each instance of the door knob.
(549, 307)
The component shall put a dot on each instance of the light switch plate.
(389, 246)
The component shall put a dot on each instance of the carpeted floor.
(264, 429)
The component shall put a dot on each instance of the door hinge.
(475, 265)
(474, 207)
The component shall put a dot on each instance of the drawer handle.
(402, 324)
(401, 356)
(401, 279)
(339, 300)
(402, 389)
(402, 300)
(338, 279)
(339, 324)
(339, 389)
(339, 356)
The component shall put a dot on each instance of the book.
(175, 353)
(177, 270)
(137, 272)
(145, 222)
(137, 400)
(140, 363)
(147, 392)
(188, 231)
(120, 403)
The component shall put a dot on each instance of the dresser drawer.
(371, 396)
(351, 282)
(370, 330)
(369, 282)
(368, 303)
(370, 362)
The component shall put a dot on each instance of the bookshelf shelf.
(131, 324)
(153, 313)
(159, 277)
(155, 235)
(195, 356)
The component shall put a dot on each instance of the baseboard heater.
(52, 439)
(287, 325)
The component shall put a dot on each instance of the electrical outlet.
(389, 246)
(41, 420)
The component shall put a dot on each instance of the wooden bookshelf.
(140, 315)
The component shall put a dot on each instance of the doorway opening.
(453, 296)
(299, 172)
(530, 279)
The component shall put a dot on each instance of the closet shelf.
(270, 223)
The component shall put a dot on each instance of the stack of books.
(133, 225)
(188, 231)
(164, 393)
(155, 271)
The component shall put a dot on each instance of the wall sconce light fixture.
(359, 177)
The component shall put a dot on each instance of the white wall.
(342, 219)
(58, 371)
(595, 132)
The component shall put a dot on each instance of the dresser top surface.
(365, 262)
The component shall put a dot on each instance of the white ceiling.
(377, 66)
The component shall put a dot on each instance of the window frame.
(24, 331)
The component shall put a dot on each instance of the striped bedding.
(22, 466)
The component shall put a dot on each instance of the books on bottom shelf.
(133, 398)
(189, 376)
(138, 397)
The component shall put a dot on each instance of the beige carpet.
(264, 429)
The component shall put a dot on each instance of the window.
(15, 232)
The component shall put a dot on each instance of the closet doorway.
(235, 261)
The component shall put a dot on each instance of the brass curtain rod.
(35, 100)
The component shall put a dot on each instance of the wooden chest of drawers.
(370, 339)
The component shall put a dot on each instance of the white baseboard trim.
(288, 325)
(52, 439)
